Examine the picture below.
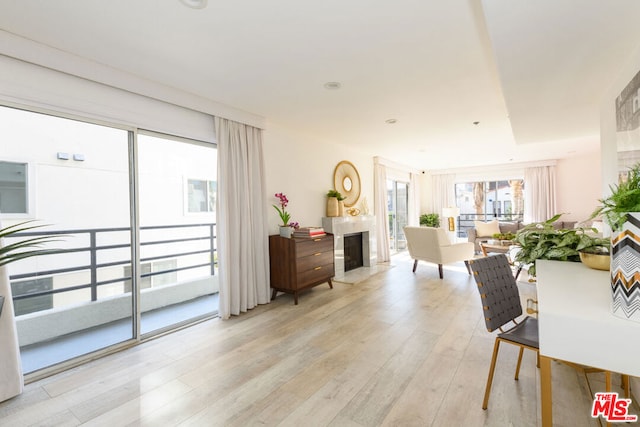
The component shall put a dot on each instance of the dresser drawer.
(305, 247)
(321, 273)
(312, 261)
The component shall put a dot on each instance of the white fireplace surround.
(339, 226)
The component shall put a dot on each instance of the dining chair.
(502, 307)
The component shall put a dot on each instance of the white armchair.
(433, 245)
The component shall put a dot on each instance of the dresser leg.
(330, 284)
(273, 294)
(295, 298)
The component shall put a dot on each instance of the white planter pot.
(625, 269)
(286, 232)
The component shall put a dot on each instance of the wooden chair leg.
(626, 386)
(492, 369)
(519, 363)
(415, 264)
(607, 381)
(440, 271)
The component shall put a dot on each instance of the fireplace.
(362, 229)
(352, 251)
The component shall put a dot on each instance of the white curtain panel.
(414, 200)
(11, 379)
(242, 229)
(380, 210)
(540, 193)
(443, 192)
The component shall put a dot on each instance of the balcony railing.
(176, 242)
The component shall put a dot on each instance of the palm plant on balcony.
(24, 248)
(11, 379)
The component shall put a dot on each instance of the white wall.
(578, 186)
(608, 121)
(302, 168)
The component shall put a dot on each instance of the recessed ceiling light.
(195, 4)
(391, 121)
(332, 85)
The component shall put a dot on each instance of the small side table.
(496, 248)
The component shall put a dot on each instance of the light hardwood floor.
(398, 349)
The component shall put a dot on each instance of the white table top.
(576, 322)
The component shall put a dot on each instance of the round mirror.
(346, 181)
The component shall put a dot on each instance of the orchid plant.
(284, 215)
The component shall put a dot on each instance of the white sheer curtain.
(11, 379)
(414, 200)
(380, 210)
(443, 192)
(540, 193)
(242, 230)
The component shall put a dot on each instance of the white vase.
(625, 259)
(286, 231)
(11, 379)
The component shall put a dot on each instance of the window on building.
(13, 188)
(201, 195)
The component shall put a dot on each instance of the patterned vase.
(625, 269)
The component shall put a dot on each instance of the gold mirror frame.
(346, 175)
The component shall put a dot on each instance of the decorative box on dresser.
(300, 263)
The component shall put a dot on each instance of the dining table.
(576, 324)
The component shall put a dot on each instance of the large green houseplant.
(542, 241)
(621, 210)
(624, 198)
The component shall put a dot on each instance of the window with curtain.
(487, 200)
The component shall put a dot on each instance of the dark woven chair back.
(498, 290)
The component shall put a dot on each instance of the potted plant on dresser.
(335, 203)
(621, 211)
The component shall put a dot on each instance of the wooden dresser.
(300, 263)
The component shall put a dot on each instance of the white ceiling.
(532, 73)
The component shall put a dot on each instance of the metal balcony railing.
(180, 235)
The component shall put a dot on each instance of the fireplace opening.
(353, 251)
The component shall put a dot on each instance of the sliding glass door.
(177, 199)
(124, 267)
(488, 200)
(397, 206)
(72, 178)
